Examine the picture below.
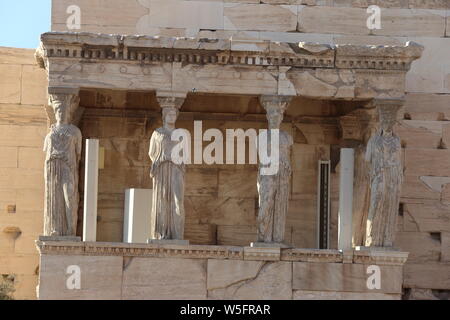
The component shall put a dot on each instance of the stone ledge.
(379, 256)
(218, 252)
(311, 255)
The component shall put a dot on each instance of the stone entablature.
(124, 271)
(349, 72)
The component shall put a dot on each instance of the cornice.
(91, 47)
(217, 252)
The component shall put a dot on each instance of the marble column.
(167, 214)
(91, 190)
(62, 146)
(347, 165)
(385, 168)
(274, 189)
(138, 204)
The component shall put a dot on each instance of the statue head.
(388, 118)
(275, 107)
(170, 116)
(63, 105)
(274, 117)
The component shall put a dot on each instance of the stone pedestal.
(158, 272)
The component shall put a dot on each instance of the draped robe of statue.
(274, 195)
(386, 176)
(63, 150)
(168, 214)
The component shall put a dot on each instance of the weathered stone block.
(30, 200)
(420, 134)
(445, 246)
(412, 23)
(260, 17)
(427, 275)
(100, 16)
(320, 84)
(220, 211)
(101, 277)
(236, 235)
(382, 84)
(226, 79)
(330, 295)
(10, 83)
(34, 86)
(201, 234)
(237, 184)
(427, 106)
(395, 22)
(429, 4)
(415, 188)
(31, 158)
(22, 136)
(167, 278)
(427, 162)
(18, 264)
(427, 76)
(422, 247)
(249, 280)
(182, 14)
(344, 277)
(201, 182)
(22, 178)
(429, 216)
(8, 157)
(17, 56)
(25, 286)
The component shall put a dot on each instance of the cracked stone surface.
(237, 280)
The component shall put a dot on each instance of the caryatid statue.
(274, 189)
(386, 176)
(63, 152)
(167, 214)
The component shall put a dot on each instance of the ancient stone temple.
(355, 209)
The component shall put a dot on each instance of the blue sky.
(22, 22)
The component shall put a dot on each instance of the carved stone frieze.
(226, 66)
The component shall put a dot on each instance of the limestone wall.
(23, 126)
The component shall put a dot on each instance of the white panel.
(346, 198)
(91, 191)
(138, 206)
